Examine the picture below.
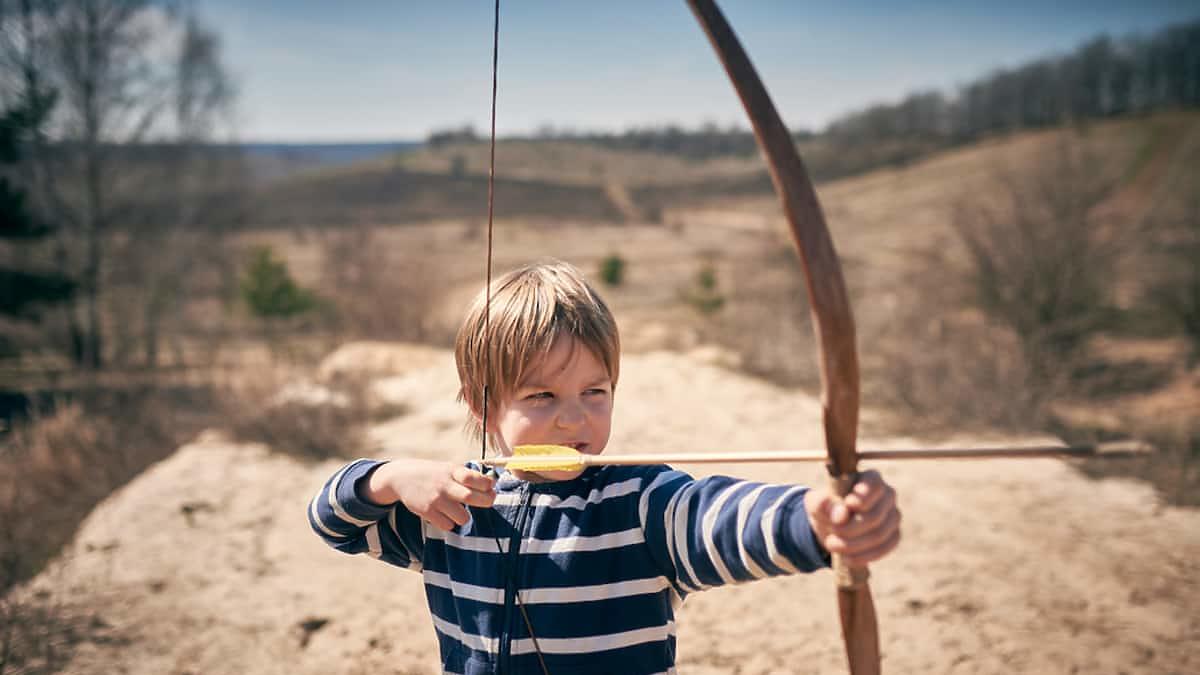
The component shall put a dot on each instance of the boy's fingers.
(480, 499)
(868, 489)
(439, 521)
(827, 509)
(868, 535)
(473, 479)
(868, 512)
(871, 520)
(455, 512)
(861, 558)
(465, 495)
(839, 514)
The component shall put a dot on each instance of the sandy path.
(205, 564)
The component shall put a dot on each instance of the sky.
(367, 70)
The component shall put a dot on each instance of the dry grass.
(378, 293)
(53, 470)
(48, 466)
(764, 316)
(37, 635)
(286, 407)
(279, 406)
(932, 356)
(390, 195)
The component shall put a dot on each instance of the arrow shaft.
(820, 456)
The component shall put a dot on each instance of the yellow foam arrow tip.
(545, 458)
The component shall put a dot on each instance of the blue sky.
(365, 70)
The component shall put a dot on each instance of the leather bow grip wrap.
(829, 305)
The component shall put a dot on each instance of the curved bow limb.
(830, 308)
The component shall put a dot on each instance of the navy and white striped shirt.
(601, 562)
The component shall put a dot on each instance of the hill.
(566, 181)
(271, 161)
(926, 350)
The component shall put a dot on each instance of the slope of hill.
(388, 196)
(558, 180)
(272, 161)
(893, 228)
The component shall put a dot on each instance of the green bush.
(705, 296)
(268, 289)
(612, 270)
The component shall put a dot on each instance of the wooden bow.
(830, 307)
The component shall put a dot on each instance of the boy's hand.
(863, 527)
(435, 491)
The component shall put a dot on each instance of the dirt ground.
(205, 564)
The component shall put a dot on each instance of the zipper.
(512, 564)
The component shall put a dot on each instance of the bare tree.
(111, 94)
(127, 168)
(178, 250)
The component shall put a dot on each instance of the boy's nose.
(570, 415)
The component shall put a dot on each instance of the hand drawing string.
(487, 352)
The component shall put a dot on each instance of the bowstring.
(487, 315)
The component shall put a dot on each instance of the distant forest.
(1103, 77)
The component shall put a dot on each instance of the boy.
(579, 571)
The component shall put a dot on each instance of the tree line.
(1103, 77)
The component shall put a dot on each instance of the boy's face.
(566, 398)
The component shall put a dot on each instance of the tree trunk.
(94, 218)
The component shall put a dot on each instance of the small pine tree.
(24, 289)
(268, 288)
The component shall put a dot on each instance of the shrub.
(705, 294)
(269, 290)
(1039, 260)
(383, 292)
(763, 314)
(312, 431)
(56, 466)
(612, 270)
(1174, 289)
(301, 418)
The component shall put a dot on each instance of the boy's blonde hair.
(530, 308)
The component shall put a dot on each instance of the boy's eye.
(539, 395)
(596, 391)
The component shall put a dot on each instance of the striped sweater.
(600, 562)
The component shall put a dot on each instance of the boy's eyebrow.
(535, 384)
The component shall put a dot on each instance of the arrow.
(564, 458)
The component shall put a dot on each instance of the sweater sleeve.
(351, 524)
(719, 530)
